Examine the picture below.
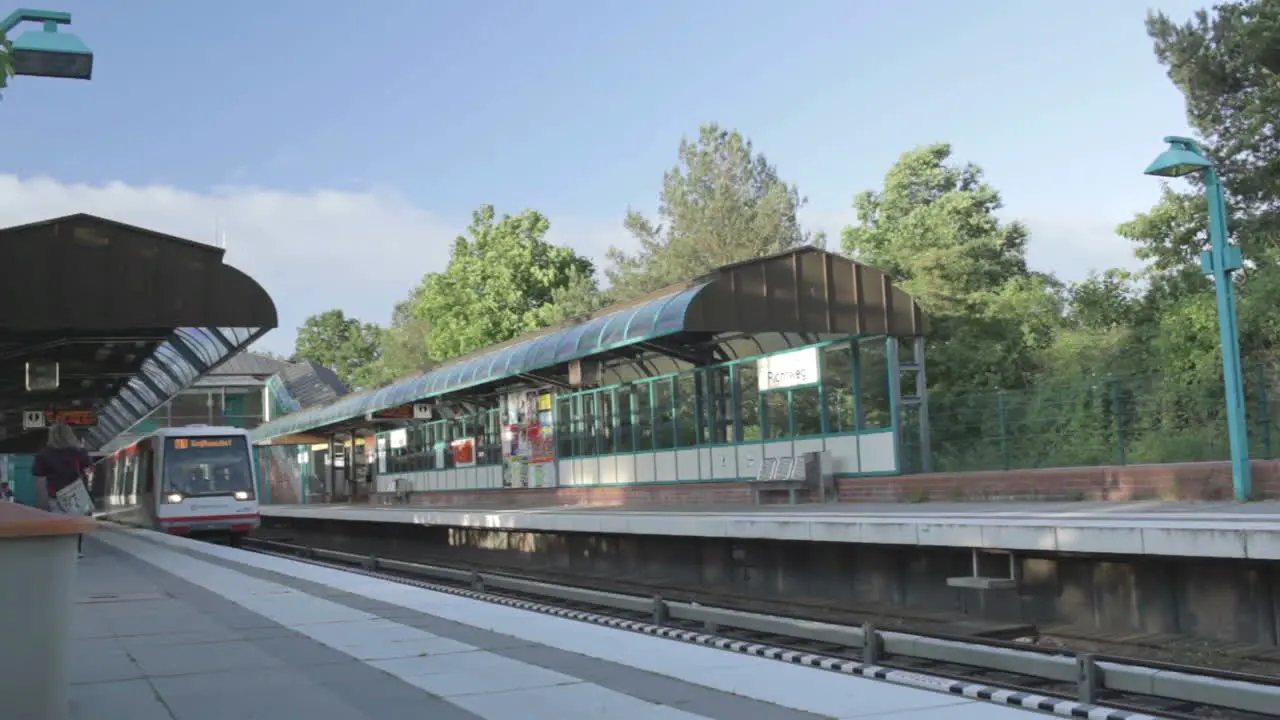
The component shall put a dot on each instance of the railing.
(1096, 421)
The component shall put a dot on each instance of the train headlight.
(173, 498)
(242, 494)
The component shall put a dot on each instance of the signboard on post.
(37, 419)
(74, 418)
(788, 370)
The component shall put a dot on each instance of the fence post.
(1003, 413)
(1264, 412)
(1117, 413)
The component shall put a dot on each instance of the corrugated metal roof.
(309, 383)
(250, 363)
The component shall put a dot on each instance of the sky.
(337, 152)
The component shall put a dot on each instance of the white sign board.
(32, 419)
(421, 411)
(792, 369)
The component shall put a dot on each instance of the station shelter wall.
(708, 424)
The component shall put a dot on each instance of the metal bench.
(810, 471)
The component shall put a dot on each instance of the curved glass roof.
(176, 363)
(651, 319)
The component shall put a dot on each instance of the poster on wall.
(464, 452)
(542, 475)
(517, 472)
(543, 444)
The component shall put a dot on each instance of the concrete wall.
(871, 453)
(1222, 600)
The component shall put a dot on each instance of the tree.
(404, 347)
(6, 61)
(579, 297)
(1218, 62)
(501, 278)
(933, 228)
(722, 203)
(345, 345)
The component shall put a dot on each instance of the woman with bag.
(61, 463)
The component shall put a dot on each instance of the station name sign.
(788, 370)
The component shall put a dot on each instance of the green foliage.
(933, 228)
(404, 347)
(722, 203)
(6, 62)
(345, 345)
(501, 278)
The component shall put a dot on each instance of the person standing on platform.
(62, 462)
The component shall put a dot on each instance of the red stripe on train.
(202, 518)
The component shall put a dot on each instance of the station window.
(564, 425)
(607, 421)
(663, 414)
(643, 400)
(872, 363)
(688, 424)
(777, 414)
(748, 391)
(622, 401)
(806, 412)
(837, 384)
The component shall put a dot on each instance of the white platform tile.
(816, 691)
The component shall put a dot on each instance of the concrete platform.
(1194, 530)
(171, 629)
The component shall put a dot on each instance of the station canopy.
(128, 316)
(748, 309)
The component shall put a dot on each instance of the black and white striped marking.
(977, 691)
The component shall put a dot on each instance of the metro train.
(197, 481)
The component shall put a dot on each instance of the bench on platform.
(810, 471)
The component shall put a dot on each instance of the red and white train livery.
(195, 480)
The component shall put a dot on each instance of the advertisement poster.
(517, 475)
(464, 452)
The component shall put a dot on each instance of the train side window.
(148, 477)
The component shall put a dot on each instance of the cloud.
(362, 251)
(359, 251)
(1067, 246)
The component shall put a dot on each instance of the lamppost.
(1184, 157)
(47, 53)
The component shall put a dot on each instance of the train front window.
(208, 466)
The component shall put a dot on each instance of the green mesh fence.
(1103, 421)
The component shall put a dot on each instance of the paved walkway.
(163, 633)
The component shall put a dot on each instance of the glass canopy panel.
(671, 315)
(615, 328)
(159, 377)
(642, 321)
(139, 394)
(590, 338)
(238, 335)
(520, 358)
(209, 350)
(544, 352)
(568, 345)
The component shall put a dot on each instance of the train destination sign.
(194, 443)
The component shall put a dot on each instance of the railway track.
(1052, 680)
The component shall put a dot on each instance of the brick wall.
(1173, 481)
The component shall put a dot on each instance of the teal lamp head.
(1182, 158)
(52, 54)
(47, 53)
